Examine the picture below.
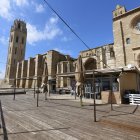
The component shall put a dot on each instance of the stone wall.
(124, 30)
(107, 97)
(53, 57)
(128, 81)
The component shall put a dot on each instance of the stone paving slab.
(64, 119)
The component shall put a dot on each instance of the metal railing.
(134, 99)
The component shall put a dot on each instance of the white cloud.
(5, 9)
(39, 8)
(63, 51)
(65, 39)
(8, 6)
(4, 41)
(50, 31)
(21, 2)
(53, 20)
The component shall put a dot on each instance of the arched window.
(112, 54)
(128, 41)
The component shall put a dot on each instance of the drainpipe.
(123, 42)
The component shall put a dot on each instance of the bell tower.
(16, 50)
(120, 10)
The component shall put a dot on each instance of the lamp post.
(111, 92)
(37, 92)
(94, 96)
(34, 87)
(14, 89)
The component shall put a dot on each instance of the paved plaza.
(62, 118)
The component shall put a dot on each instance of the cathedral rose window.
(137, 27)
(135, 24)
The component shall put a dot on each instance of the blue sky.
(91, 19)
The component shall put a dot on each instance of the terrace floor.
(60, 118)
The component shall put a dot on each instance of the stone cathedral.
(117, 63)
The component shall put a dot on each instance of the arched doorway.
(90, 64)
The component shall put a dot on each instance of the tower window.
(10, 50)
(14, 61)
(112, 54)
(22, 40)
(19, 26)
(17, 39)
(15, 50)
(21, 52)
(128, 41)
(11, 38)
(7, 70)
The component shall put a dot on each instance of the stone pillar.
(63, 82)
(58, 78)
(62, 67)
(23, 73)
(68, 67)
(48, 85)
(38, 70)
(58, 82)
(58, 68)
(68, 82)
(18, 74)
(30, 72)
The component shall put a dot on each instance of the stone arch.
(138, 60)
(134, 22)
(90, 64)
